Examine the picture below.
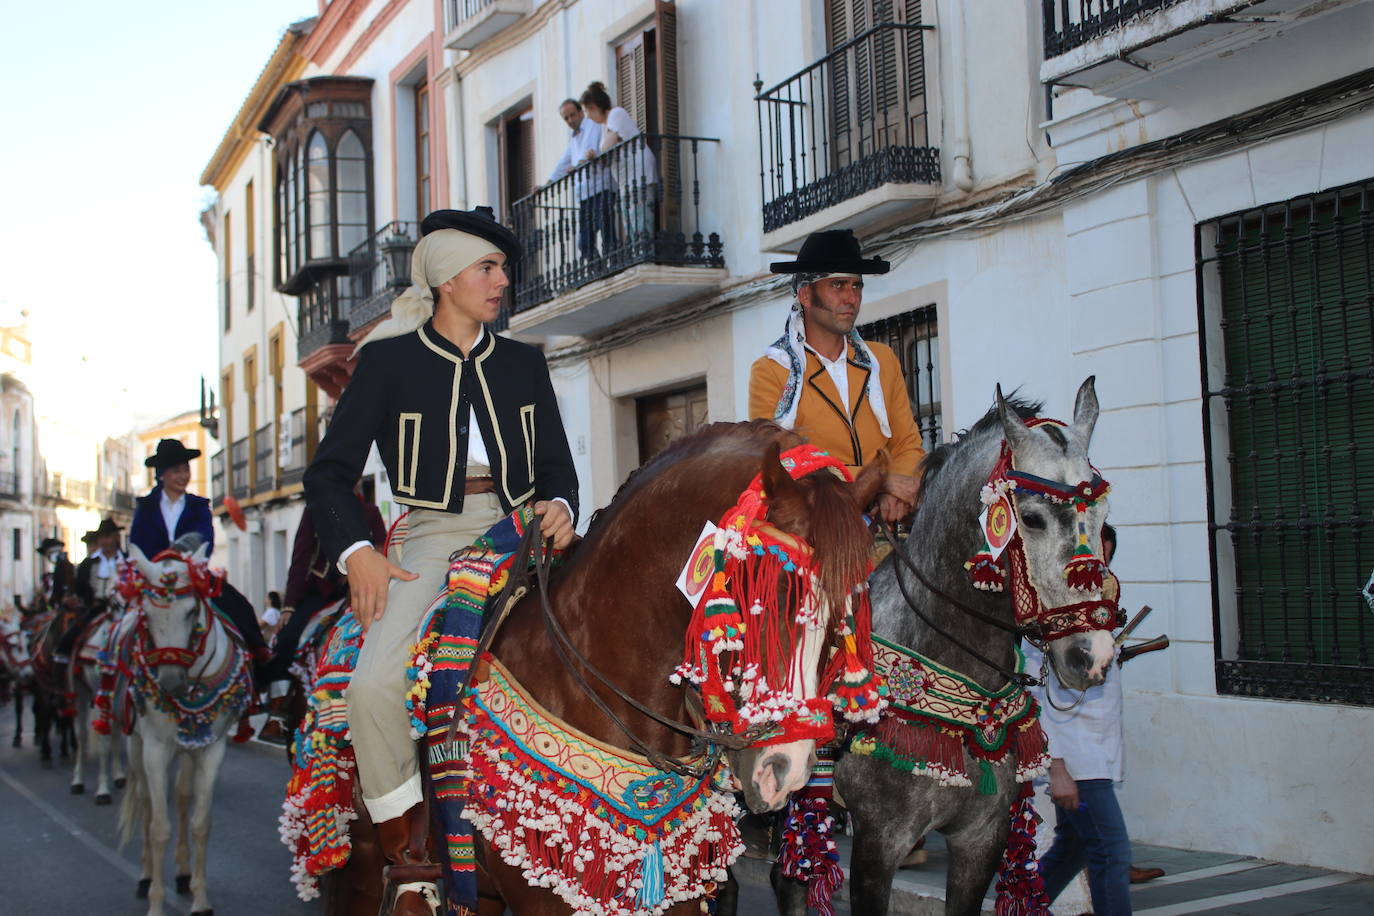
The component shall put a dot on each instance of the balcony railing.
(849, 123)
(468, 23)
(1070, 23)
(323, 316)
(293, 456)
(379, 271)
(238, 468)
(217, 479)
(262, 454)
(637, 203)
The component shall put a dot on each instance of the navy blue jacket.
(149, 531)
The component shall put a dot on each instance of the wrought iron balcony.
(848, 124)
(468, 23)
(238, 468)
(292, 456)
(266, 476)
(639, 203)
(379, 271)
(322, 317)
(1070, 23)
(217, 478)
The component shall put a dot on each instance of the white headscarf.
(440, 256)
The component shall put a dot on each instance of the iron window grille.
(1286, 295)
(914, 337)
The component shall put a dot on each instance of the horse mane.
(990, 422)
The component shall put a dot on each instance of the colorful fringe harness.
(744, 665)
(319, 797)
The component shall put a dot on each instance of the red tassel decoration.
(1085, 572)
(985, 572)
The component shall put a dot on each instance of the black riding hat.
(107, 526)
(480, 221)
(834, 251)
(169, 454)
(48, 543)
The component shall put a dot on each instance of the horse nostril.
(1080, 658)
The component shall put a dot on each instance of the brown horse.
(51, 703)
(616, 599)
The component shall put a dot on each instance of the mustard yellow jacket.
(850, 432)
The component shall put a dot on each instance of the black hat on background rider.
(169, 454)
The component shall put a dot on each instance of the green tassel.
(987, 782)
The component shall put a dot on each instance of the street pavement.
(59, 853)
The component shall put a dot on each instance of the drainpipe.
(958, 115)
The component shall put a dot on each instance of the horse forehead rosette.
(746, 663)
(200, 580)
(1085, 572)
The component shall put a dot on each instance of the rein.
(1030, 633)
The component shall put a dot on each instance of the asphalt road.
(59, 853)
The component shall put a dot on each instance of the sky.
(110, 112)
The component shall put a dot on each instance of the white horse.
(191, 681)
(107, 749)
(16, 665)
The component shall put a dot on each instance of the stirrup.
(428, 891)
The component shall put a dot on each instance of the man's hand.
(1063, 790)
(557, 523)
(902, 487)
(892, 509)
(369, 577)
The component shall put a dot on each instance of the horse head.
(1059, 506)
(170, 593)
(824, 512)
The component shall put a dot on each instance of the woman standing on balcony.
(634, 169)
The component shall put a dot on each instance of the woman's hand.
(1063, 789)
(557, 522)
(369, 577)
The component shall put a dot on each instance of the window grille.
(914, 337)
(1287, 297)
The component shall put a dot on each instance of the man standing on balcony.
(818, 378)
(591, 187)
(468, 427)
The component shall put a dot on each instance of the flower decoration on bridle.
(744, 664)
(138, 591)
(1085, 572)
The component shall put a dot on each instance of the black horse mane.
(945, 453)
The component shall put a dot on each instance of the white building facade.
(1172, 195)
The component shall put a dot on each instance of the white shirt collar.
(169, 502)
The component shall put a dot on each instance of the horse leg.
(19, 715)
(975, 851)
(206, 769)
(789, 893)
(157, 756)
(118, 747)
(890, 811)
(78, 785)
(185, 794)
(101, 747)
(42, 727)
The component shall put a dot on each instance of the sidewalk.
(1195, 882)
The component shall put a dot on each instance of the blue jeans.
(1093, 836)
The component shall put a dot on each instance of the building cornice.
(285, 64)
(334, 24)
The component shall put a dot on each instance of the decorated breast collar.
(1085, 572)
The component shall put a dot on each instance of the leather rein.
(574, 661)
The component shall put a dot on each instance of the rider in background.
(468, 427)
(168, 512)
(818, 377)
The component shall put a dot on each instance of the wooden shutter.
(868, 82)
(631, 80)
(668, 115)
(516, 140)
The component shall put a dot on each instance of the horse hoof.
(143, 885)
(78, 789)
(119, 783)
(104, 799)
(184, 885)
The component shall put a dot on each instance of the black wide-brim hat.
(107, 526)
(833, 251)
(480, 222)
(48, 543)
(169, 454)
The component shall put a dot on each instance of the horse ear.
(870, 481)
(1085, 410)
(146, 566)
(1013, 428)
(777, 483)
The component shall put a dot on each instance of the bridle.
(140, 593)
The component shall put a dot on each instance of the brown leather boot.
(1141, 875)
(410, 876)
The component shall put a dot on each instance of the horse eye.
(1033, 520)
